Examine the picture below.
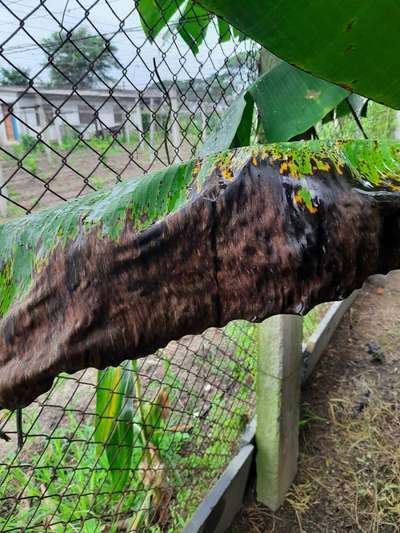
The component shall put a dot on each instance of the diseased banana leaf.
(247, 233)
(354, 44)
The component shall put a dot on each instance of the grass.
(312, 319)
(368, 460)
(354, 446)
(380, 123)
(70, 496)
(70, 484)
(29, 150)
(364, 461)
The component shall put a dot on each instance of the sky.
(40, 20)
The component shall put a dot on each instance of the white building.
(52, 112)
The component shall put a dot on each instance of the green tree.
(82, 59)
(12, 76)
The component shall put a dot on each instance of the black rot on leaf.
(245, 234)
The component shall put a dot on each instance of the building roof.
(67, 91)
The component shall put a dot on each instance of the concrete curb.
(320, 339)
(218, 509)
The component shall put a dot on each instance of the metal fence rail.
(86, 100)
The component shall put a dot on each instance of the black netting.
(87, 100)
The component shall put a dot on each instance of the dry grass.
(358, 470)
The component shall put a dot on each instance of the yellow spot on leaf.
(323, 165)
(227, 174)
(303, 197)
(196, 169)
(293, 169)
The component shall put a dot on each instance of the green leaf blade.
(119, 450)
(339, 42)
(233, 129)
(193, 26)
(291, 101)
(155, 14)
(114, 392)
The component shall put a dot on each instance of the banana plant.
(315, 98)
(60, 263)
(306, 100)
(126, 421)
(246, 233)
(190, 19)
(289, 100)
(115, 430)
(330, 40)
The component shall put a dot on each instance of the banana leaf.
(289, 102)
(193, 26)
(247, 233)
(353, 44)
(155, 14)
(233, 129)
(354, 104)
(339, 42)
(114, 394)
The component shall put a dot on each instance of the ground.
(349, 469)
(49, 178)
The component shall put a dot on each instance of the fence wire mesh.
(85, 101)
(178, 427)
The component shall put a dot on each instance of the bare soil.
(62, 176)
(349, 469)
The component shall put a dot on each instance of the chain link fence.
(179, 426)
(87, 100)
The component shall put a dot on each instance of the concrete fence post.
(58, 130)
(176, 133)
(278, 406)
(152, 118)
(3, 191)
(138, 118)
(203, 117)
(44, 129)
(127, 128)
